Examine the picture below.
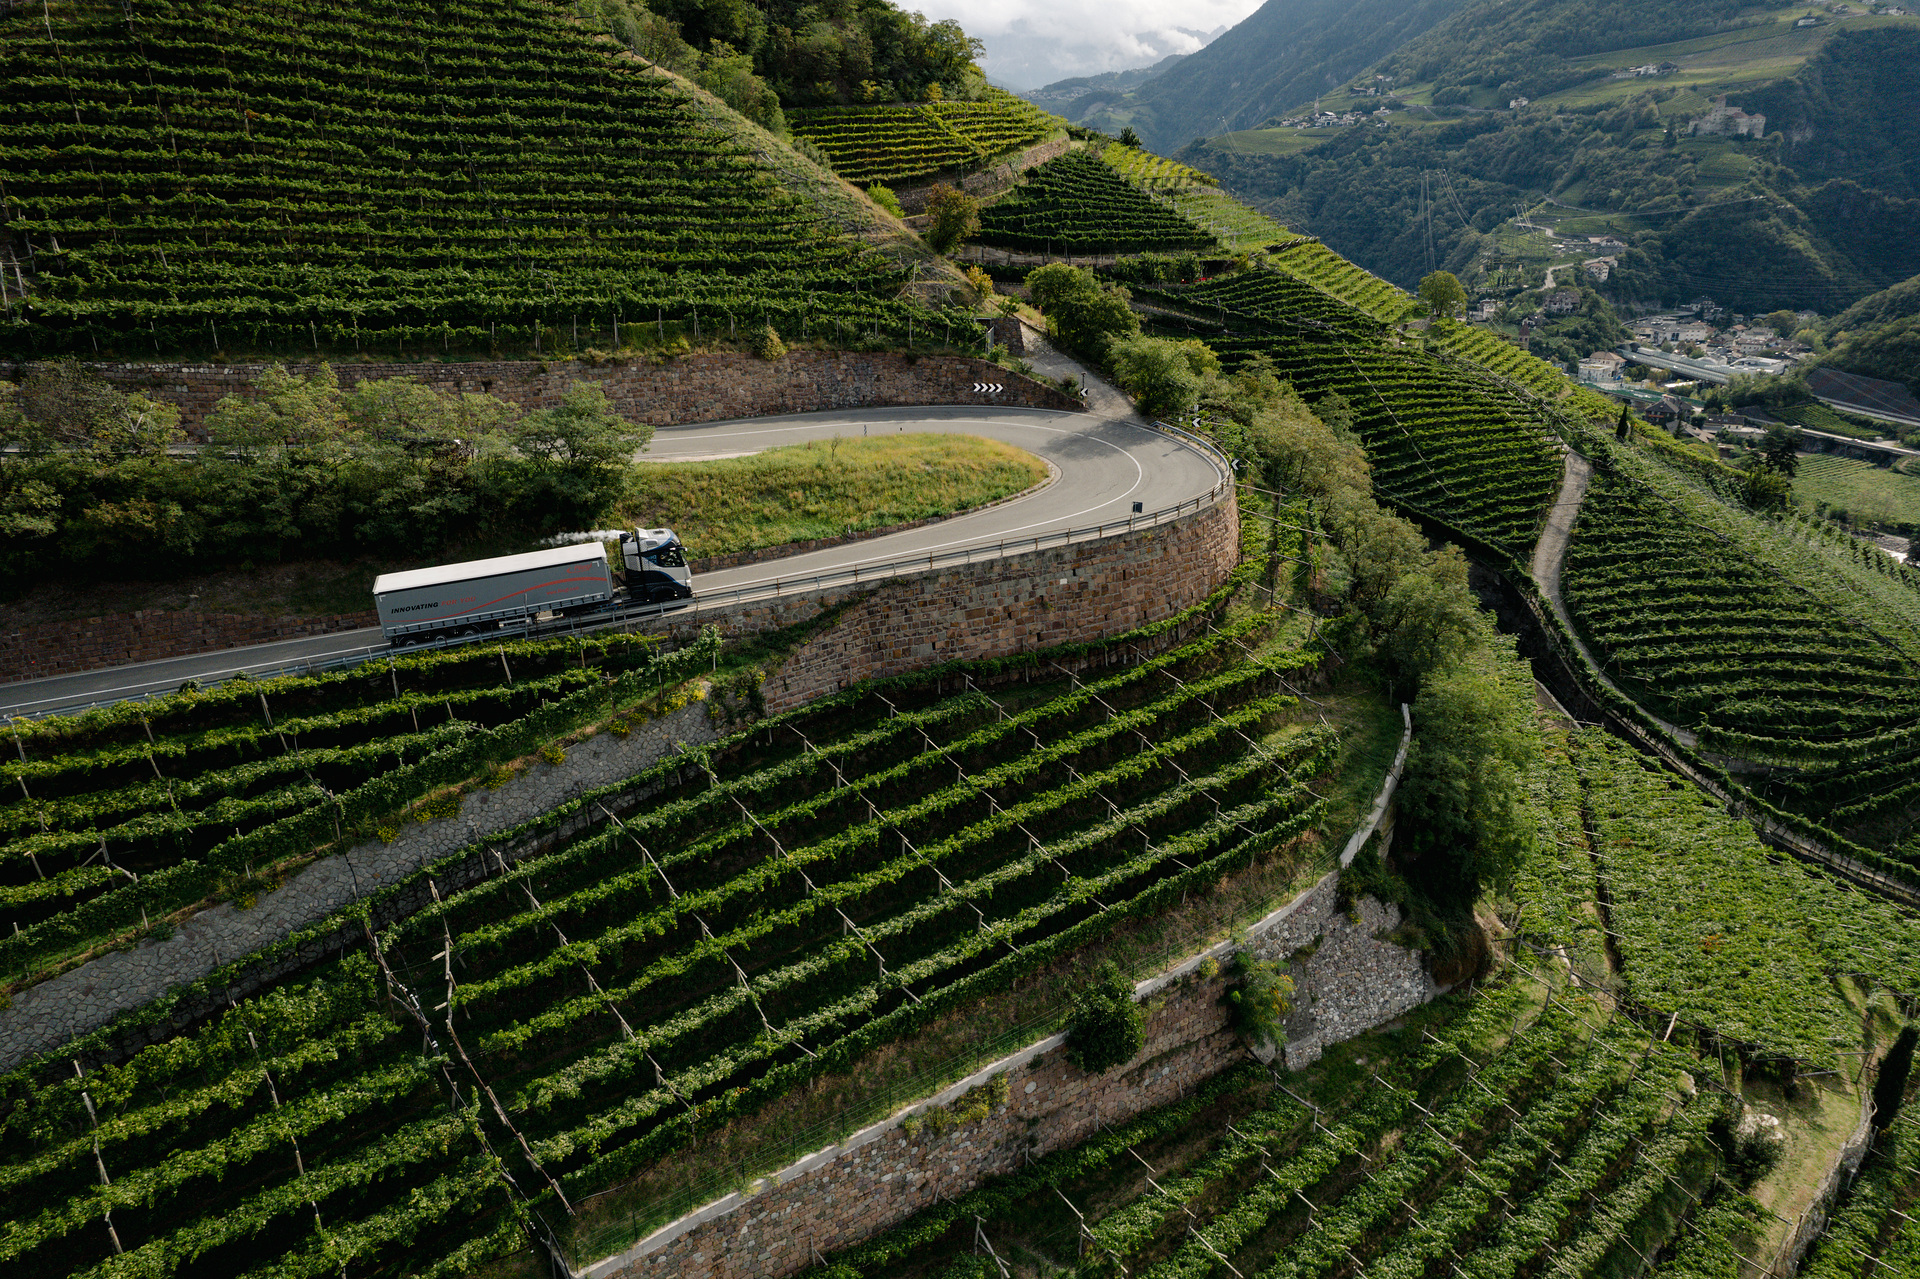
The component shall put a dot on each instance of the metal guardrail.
(773, 588)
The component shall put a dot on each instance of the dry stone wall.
(693, 388)
(993, 608)
(1347, 981)
(114, 639)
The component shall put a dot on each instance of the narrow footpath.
(1550, 555)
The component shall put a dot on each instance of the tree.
(1784, 323)
(1442, 294)
(1624, 427)
(1430, 619)
(1081, 312)
(1780, 450)
(284, 410)
(728, 75)
(1767, 489)
(1461, 798)
(1261, 1002)
(1336, 411)
(1164, 376)
(952, 217)
(1105, 1027)
(886, 199)
(1054, 281)
(1128, 138)
(582, 431)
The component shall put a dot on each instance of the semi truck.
(522, 591)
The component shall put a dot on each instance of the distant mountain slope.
(1282, 55)
(1525, 47)
(1853, 111)
(1879, 336)
(1617, 139)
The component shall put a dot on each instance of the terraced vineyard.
(1145, 169)
(1199, 197)
(1321, 267)
(1274, 299)
(1712, 925)
(1469, 342)
(1077, 204)
(898, 143)
(427, 176)
(1772, 642)
(808, 889)
(1442, 440)
(1525, 1135)
(129, 813)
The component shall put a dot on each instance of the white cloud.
(1030, 44)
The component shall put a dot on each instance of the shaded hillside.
(1853, 111)
(1879, 336)
(1282, 55)
(1609, 140)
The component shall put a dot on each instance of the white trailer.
(461, 599)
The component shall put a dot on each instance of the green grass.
(824, 489)
(1868, 493)
(1270, 141)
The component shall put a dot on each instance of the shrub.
(886, 199)
(553, 753)
(767, 344)
(1106, 1027)
(446, 804)
(1261, 1001)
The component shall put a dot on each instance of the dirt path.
(1550, 554)
(1103, 398)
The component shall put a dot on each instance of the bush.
(886, 199)
(767, 344)
(1261, 1001)
(1106, 1027)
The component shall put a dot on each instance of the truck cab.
(656, 563)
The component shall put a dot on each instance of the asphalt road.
(1102, 466)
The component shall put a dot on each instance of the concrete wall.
(693, 388)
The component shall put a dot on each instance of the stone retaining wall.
(115, 639)
(993, 608)
(987, 183)
(879, 1178)
(693, 388)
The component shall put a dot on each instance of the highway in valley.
(1102, 467)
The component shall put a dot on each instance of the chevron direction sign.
(988, 388)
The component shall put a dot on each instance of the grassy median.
(824, 488)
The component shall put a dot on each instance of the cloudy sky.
(1035, 42)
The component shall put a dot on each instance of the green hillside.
(1536, 1128)
(1799, 220)
(422, 179)
(1879, 336)
(901, 143)
(1078, 204)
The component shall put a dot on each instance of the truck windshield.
(673, 555)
